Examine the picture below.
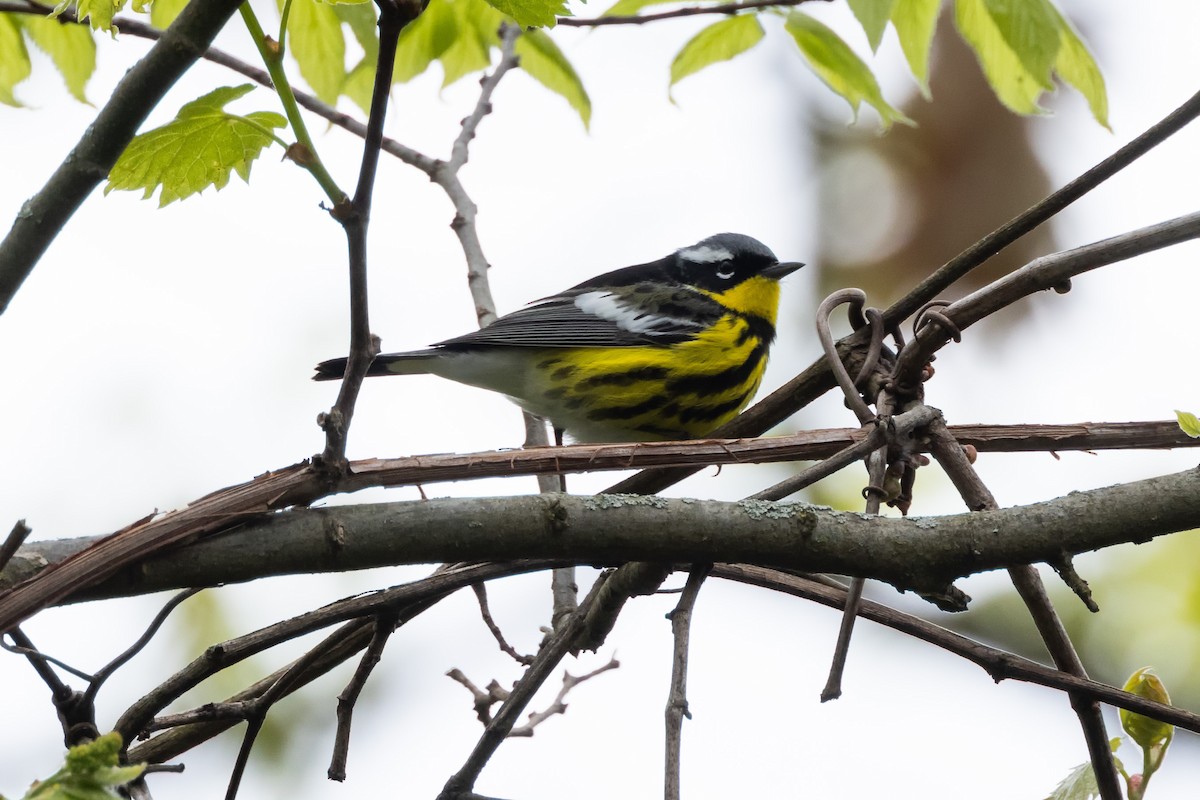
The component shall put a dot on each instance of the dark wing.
(614, 316)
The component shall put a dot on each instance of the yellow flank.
(681, 391)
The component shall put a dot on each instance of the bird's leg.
(558, 442)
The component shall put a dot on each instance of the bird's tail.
(414, 363)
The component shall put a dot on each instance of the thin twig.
(876, 436)
(355, 220)
(33, 654)
(1000, 665)
(552, 652)
(691, 11)
(1053, 271)
(16, 537)
(483, 701)
(236, 710)
(1028, 220)
(445, 174)
(291, 678)
(480, 590)
(41, 662)
(900, 428)
(76, 713)
(337, 648)
(833, 683)
(559, 705)
(407, 600)
(385, 624)
(130, 26)
(856, 299)
(812, 445)
(105, 672)
(677, 704)
(875, 493)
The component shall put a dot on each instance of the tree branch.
(385, 624)
(218, 511)
(461, 783)
(1052, 271)
(405, 601)
(999, 664)
(925, 553)
(803, 446)
(677, 704)
(1028, 220)
(445, 175)
(44, 215)
(355, 218)
(16, 537)
(559, 706)
(1029, 586)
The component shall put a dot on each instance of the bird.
(667, 350)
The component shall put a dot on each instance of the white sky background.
(155, 356)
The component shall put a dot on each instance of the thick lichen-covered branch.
(916, 553)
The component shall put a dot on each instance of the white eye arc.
(727, 272)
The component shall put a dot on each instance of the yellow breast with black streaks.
(679, 391)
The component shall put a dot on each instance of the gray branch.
(920, 553)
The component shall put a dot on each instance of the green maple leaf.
(839, 67)
(71, 47)
(198, 149)
(14, 59)
(720, 41)
(543, 61)
(316, 41)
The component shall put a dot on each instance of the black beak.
(782, 269)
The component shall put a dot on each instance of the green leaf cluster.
(1020, 44)
(198, 149)
(69, 46)
(460, 35)
(99, 13)
(92, 772)
(826, 53)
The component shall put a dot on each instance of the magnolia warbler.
(671, 349)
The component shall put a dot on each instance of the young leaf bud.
(1145, 731)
